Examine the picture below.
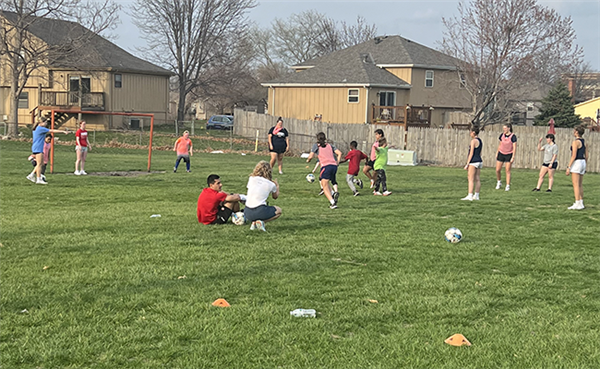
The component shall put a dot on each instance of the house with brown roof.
(372, 82)
(97, 77)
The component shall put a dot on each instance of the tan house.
(101, 77)
(372, 82)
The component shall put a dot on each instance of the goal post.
(151, 116)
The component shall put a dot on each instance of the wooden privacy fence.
(303, 132)
(449, 147)
(434, 146)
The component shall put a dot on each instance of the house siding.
(331, 102)
(445, 93)
(404, 74)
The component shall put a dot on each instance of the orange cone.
(457, 340)
(221, 303)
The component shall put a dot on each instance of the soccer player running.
(380, 165)
(183, 148)
(327, 157)
(354, 156)
(370, 163)
(474, 165)
(577, 165)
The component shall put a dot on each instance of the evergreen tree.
(558, 105)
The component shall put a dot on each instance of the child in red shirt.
(82, 147)
(355, 157)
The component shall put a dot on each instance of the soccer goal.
(55, 111)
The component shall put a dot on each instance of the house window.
(24, 100)
(387, 98)
(353, 95)
(463, 80)
(429, 78)
(118, 80)
(529, 106)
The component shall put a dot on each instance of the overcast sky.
(419, 21)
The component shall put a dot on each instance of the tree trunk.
(181, 104)
(13, 119)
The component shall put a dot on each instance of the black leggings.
(185, 158)
(381, 180)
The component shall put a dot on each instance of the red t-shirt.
(82, 134)
(208, 205)
(354, 157)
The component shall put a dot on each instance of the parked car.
(220, 122)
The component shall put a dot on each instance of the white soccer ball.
(310, 177)
(238, 218)
(453, 235)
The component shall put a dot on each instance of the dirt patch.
(123, 174)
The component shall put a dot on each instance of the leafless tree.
(192, 38)
(26, 55)
(583, 82)
(503, 45)
(352, 34)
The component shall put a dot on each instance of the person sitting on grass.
(260, 185)
(355, 157)
(216, 206)
(183, 148)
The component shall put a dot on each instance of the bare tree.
(352, 34)
(25, 54)
(192, 37)
(310, 34)
(503, 45)
(583, 82)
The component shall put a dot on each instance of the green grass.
(522, 286)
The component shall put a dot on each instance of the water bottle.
(304, 313)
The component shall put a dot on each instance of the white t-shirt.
(259, 189)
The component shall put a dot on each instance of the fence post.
(231, 139)
(193, 127)
(256, 143)
(94, 137)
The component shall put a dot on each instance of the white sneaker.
(43, 177)
(476, 197)
(468, 198)
(41, 181)
(280, 172)
(31, 177)
(83, 173)
(372, 184)
(498, 185)
(507, 188)
(573, 207)
(387, 193)
(377, 193)
(253, 226)
(77, 173)
(260, 225)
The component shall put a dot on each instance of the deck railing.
(85, 100)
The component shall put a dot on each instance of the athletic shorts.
(578, 166)
(82, 148)
(504, 158)
(370, 163)
(477, 165)
(223, 215)
(278, 149)
(261, 212)
(553, 166)
(35, 153)
(328, 172)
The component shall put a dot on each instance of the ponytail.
(321, 139)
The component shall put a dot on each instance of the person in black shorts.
(279, 144)
(216, 206)
(370, 162)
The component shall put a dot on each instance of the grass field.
(89, 280)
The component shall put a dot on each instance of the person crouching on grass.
(260, 185)
(380, 166)
(183, 148)
(474, 164)
(326, 154)
(354, 156)
(214, 205)
(550, 164)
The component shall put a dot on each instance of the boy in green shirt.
(379, 166)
